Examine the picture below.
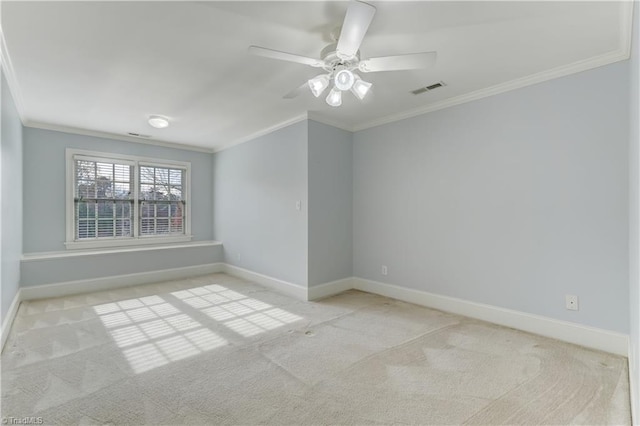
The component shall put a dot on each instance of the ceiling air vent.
(138, 135)
(428, 88)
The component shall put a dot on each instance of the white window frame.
(136, 239)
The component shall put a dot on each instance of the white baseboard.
(329, 289)
(9, 317)
(591, 337)
(634, 385)
(276, 284)
(116, 281)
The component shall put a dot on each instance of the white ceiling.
(106, 66)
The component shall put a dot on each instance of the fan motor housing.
(330, 57)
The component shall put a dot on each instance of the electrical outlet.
(385, 271)
(571, 302)
(298, 205)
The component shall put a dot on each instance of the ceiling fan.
(340, 59)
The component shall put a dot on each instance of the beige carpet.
(220, 350)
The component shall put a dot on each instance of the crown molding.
(626, 26)
(623, 53)
(312, 115)
(508, 86)
(309, 115)
(14, 88)
(113, 136)
(265, 131)
(10, 75)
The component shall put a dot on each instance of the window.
(103, 202)
(117, 200)
(161, 200)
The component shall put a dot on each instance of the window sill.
(126, 242)
(27, 257)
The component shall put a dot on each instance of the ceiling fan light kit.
(335, 97)
(342, 58)
(319, 84)
(360, 88)
(344, 79)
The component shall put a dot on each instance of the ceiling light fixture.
(319, 84)
(360, 88)
(335, 97)
(341, 58)
(344, 79)
(158, 121)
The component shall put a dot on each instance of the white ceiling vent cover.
(428, 88)
(138, 135)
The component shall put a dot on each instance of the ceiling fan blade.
(284, 56)
(297, 91)
(356, 22)
(411, 61)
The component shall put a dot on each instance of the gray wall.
(330, 203)
(44, 175)
(634, 216)
(513, 200)
(11, 199)
(256, 186)
(57, 270)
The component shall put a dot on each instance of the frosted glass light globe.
(344, 79)
(158, 122)
(335, 97)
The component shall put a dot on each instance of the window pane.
(147, 192)
(162, 226)
(85, 170)
(85, 210)
(162, 176)
(123, 210)
(146, 210)
(108, 182)
(176, 226)
(86, 229)
(160, 187)
(123, 228)
(147, 175)
(121, 190)
(176, 193)
(162, 193)
(176, 209)
(104, 188)
(176, 218)
(147, 227)
(175, 177)
(85, 189)
(122, 173)
(105, 209)
(105, 228)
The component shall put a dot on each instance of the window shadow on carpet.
(153, 331)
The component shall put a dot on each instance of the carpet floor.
(220, 350)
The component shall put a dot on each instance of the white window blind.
(125, 200)
(162, 201)
(103, 202)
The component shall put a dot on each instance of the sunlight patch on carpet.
(153, 332)
(244, 315)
